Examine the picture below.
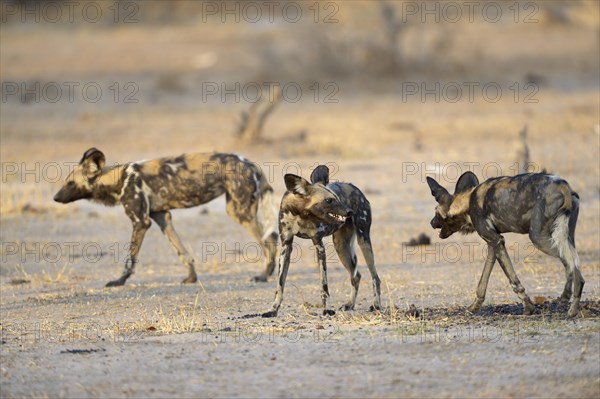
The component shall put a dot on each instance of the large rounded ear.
(467, 181)
(442, 196)
(296, 184)
(92, 162)
(320, 175)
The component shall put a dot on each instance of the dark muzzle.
(436, 223)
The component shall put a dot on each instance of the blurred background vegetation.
(155, 61)
(183, 42)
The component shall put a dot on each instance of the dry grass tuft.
(58, 275)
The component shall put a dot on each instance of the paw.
(261, 278)
(573, 312)
(328, 312)
(474, 308)
(348, 306)
(115, 283)
(563, 302)
(528, 309)
(190, 279)
(373, 308)
(270, 313)
(412, 312)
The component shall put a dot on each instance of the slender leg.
(137, 236)
(284, 264)
(367, 250)
(164, 220)
(570, 258)
(508, 269)
(483, 281)
(568, 290)
(362, 228)
(578, 283)
(322, 259)
(343, 243)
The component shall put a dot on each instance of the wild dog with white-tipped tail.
(539, 204)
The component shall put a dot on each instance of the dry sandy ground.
(64, 335)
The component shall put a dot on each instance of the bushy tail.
(258, 215)
(266, 214)
(574, 214)
(267, 223)
(563, 234)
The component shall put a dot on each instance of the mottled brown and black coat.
(149, 190)
(318, 209)
(538, 204)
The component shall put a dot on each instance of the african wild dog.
(150, 189)
(319, 209)
(538, 204)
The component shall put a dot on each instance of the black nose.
(349, 214)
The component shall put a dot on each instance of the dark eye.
(329, 200)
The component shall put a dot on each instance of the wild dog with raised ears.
(538, 204)
(149, 190)
(319, 209)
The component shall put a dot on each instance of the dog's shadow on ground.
(549, 310)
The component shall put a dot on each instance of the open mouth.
(338, 218)
(444, 234)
